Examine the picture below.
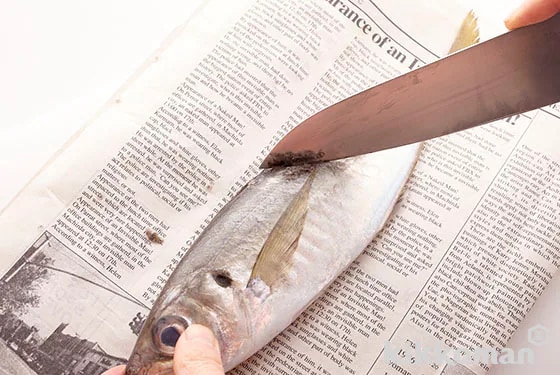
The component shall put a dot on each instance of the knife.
(510, 74)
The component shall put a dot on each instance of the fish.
(274, 248)
(270, 252)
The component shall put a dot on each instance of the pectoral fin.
(275, 258)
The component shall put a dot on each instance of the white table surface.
(62, 60)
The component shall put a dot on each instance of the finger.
(119, 370)
(197, 353)
(532, 11)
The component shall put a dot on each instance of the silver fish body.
(270, 253)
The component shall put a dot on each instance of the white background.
(61, 60)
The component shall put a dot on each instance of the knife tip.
(266, 163)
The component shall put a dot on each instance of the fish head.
(207, 297)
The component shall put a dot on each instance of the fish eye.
(166, 332)
(222, 278)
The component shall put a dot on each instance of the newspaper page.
(89, 243)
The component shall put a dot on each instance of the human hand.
(197, 353)
(532, 11)
(119, 370)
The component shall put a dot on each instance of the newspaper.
(474, 241)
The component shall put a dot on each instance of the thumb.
(532, 11)
(119, 370)
(197, 353)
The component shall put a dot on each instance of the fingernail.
(200, 334)
(511, 17)
(512, 21)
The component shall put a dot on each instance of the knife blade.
(510, 74)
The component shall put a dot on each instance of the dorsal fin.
(275, 258)
(468, 33)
